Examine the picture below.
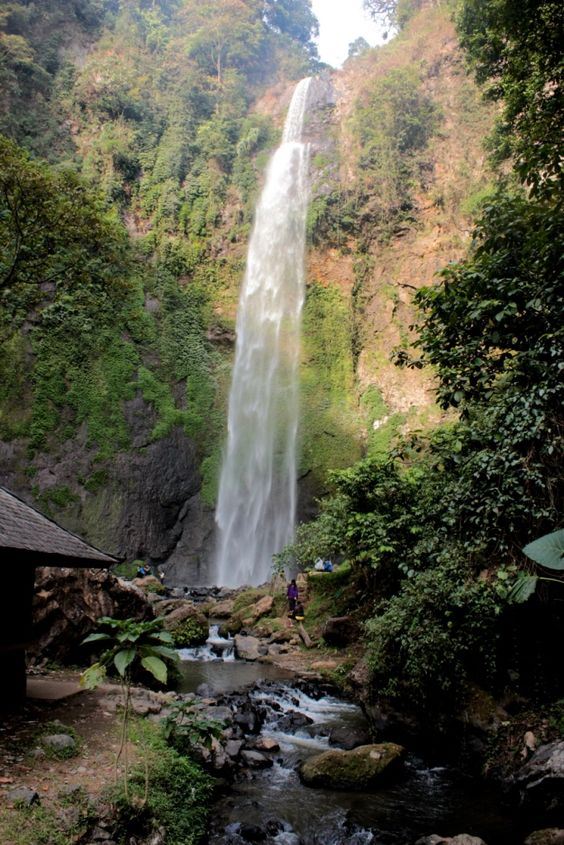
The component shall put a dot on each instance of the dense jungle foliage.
(435, 527)
(110, 252)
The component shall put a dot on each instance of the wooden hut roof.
(28, 536)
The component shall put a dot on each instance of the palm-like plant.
(128, 646)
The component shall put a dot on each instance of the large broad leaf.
(93, 676)
(95, 638)
(161, 650)
(548, 550)
(523, 588)
(162, 636)
(123, 658)
(156, 667)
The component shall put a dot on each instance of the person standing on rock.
(292, 594)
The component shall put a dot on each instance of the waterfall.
(257, 490)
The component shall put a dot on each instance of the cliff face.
(377, 243)
(385, 216)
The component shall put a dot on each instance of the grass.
(36, 825)
(180, 793)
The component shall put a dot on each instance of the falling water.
(257, 491)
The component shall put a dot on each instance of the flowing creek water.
(429, 798)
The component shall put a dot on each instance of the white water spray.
(257, 491)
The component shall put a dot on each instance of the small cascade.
(215, 648)
(257, 491)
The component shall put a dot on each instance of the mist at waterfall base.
(256, 506)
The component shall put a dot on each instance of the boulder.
(363, 768)
(223, 609)
(348, 738)
(149, 584)
(256, 760)
(292, 721)
(67, 605)
(187, 624)
(60, 743)
(541, 779)
(264, 743)
(247, 648)
(233, 747)
(262, 607)
(548, 836)
(23, 796)
(340, 631)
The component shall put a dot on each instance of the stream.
(272, 805)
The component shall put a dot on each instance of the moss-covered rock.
(188, 626)
(362, 768)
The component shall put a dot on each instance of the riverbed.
(273, 806)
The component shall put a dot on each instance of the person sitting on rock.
(299, 613)
(292, 594)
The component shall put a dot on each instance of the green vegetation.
(435, 527)
(184, 728)
(179, 797)
(190, 632)
(156, 121)
(39, 825)
(329, 418)
(130, 648)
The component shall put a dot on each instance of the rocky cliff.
(385, 216)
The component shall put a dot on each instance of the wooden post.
(15, 632)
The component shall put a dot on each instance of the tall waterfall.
(257, 491)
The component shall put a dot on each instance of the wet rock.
(548, 836)
(256, 760)
(247, 648)
(287, 838)
(188, 625)
(60, 743)
(293, 721)
(348, 738)
(265, 743)
(204, 691)
(247, 720)
(541, 780)
(252, 833)
(362, 768)
(23, 796)
(222, 714)
(233, 747)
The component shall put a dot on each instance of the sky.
(340, 22)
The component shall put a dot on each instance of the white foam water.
(256, 505)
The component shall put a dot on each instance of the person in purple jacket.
(292, 594)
